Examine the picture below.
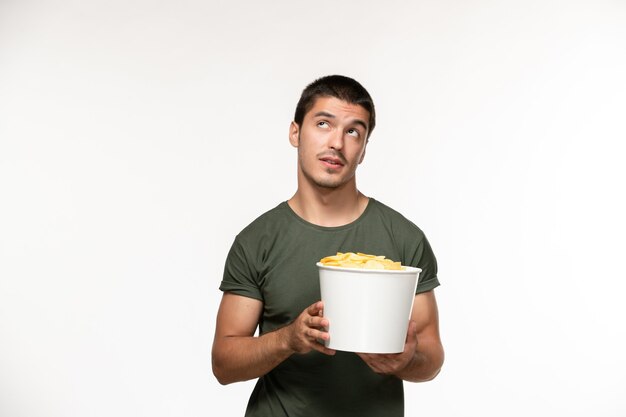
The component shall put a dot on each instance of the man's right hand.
(307, 330)
(238, 355)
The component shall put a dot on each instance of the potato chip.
(361, 260)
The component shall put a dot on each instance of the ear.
(294, 134)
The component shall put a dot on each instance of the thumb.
(411, 334)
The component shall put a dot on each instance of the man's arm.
(238, 356)
(423, 352)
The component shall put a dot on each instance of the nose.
(336, 139)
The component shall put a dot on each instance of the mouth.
(331, 161)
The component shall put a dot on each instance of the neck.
(328, 207)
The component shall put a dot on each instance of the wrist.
(282, 341)
(415, 362)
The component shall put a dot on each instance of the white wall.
(138, 137)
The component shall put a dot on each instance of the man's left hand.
(392, 363)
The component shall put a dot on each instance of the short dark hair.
(338, 86)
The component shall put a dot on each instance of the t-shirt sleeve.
(424, 258)
(240, 275)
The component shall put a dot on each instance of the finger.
(322, 349)
(377, 356)
(411, 335)
(412, 331)
(315, 308)
(317, 334)
(316, 321)
(379, 362)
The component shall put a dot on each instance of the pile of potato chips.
(361, 260)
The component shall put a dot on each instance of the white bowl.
(368, 309)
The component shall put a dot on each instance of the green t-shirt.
(273, 260)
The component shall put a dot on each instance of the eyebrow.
(332, 116)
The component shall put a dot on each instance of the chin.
(326, 180)
(331, 183)
(330, 186)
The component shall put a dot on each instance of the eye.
(322, 124)
(354, 132)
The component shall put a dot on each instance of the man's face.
(331, 141)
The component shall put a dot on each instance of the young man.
(271, 280)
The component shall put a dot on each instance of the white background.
(138, 137)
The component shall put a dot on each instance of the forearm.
(240, 358)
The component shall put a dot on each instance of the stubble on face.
(333, 181)
(325, 160)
